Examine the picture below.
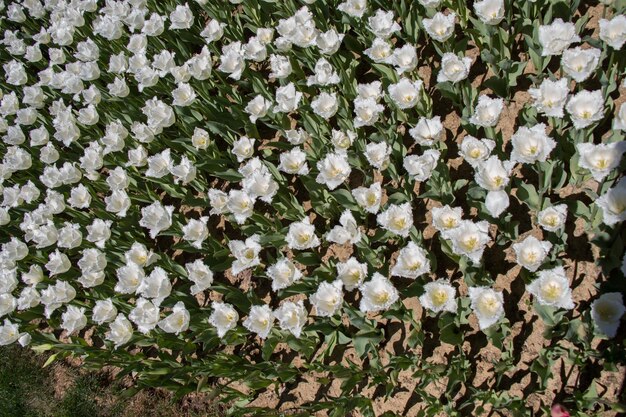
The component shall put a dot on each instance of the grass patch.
(28, 390)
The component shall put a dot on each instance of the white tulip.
(74, 319)
(292, 317)
(470, 239)
(224, 318)
(348, 231)
(183, 95)
(333, 169)
(619, 122)
(440, 27)
(351, 273)
(58, 263)
(370, 90)
(405, 93)
(232, 61)
(369, 198)
(29, 298)
(283, 273)
(156, 218)
(178, 321)
(281, 67)
(378, 294)
(196, 231)
(260, 320)
(427, 131)
(487, 111)
(156, 285)
(613, 204)
(490, 12)
(556, 37)
(294, 162)
(476, 151)
(287, 99)
(382, 24)
(606, 312)
(120, 331)
(553, 218)
(145, 315)
(240, 204)
(9, 333)
(446, 218)
(218, 200)
(439, 296)
(328, 298)
(301, 235)
(404, 59)
(613, 31)
(551, 288)
(104, 311)
(213, 31)
(258, 107)
(397, 219)
(377, 154)
(488, 305)
(367, 111)
(421, 167)
(324, 74)
(7, 304)
(531, 144)
(354, 8)
(550, 97)
(54, 296)
(181, 17)
(412, 262)
(246, 253)
(585, 108)
(200, 275)
(325, 105)
(531, 252)
(200, 138)
(380, 51)
(579, 63)
(329, 42)
(600, 159)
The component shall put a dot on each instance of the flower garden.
(309, 207)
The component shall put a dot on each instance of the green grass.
(27, 390)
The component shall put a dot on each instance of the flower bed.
(235, 196)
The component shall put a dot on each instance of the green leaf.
(527, 193)
(364, 341)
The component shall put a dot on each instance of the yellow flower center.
(488, 305)
(475, 153)
(602, 163)
(439, 297)
(382, 297)
(449, 222)
(470, 243)
(551, 220)
(303, 237)
(530, 256)
(399, 222)
(354, 276)
(414, 265)
(551, 291)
